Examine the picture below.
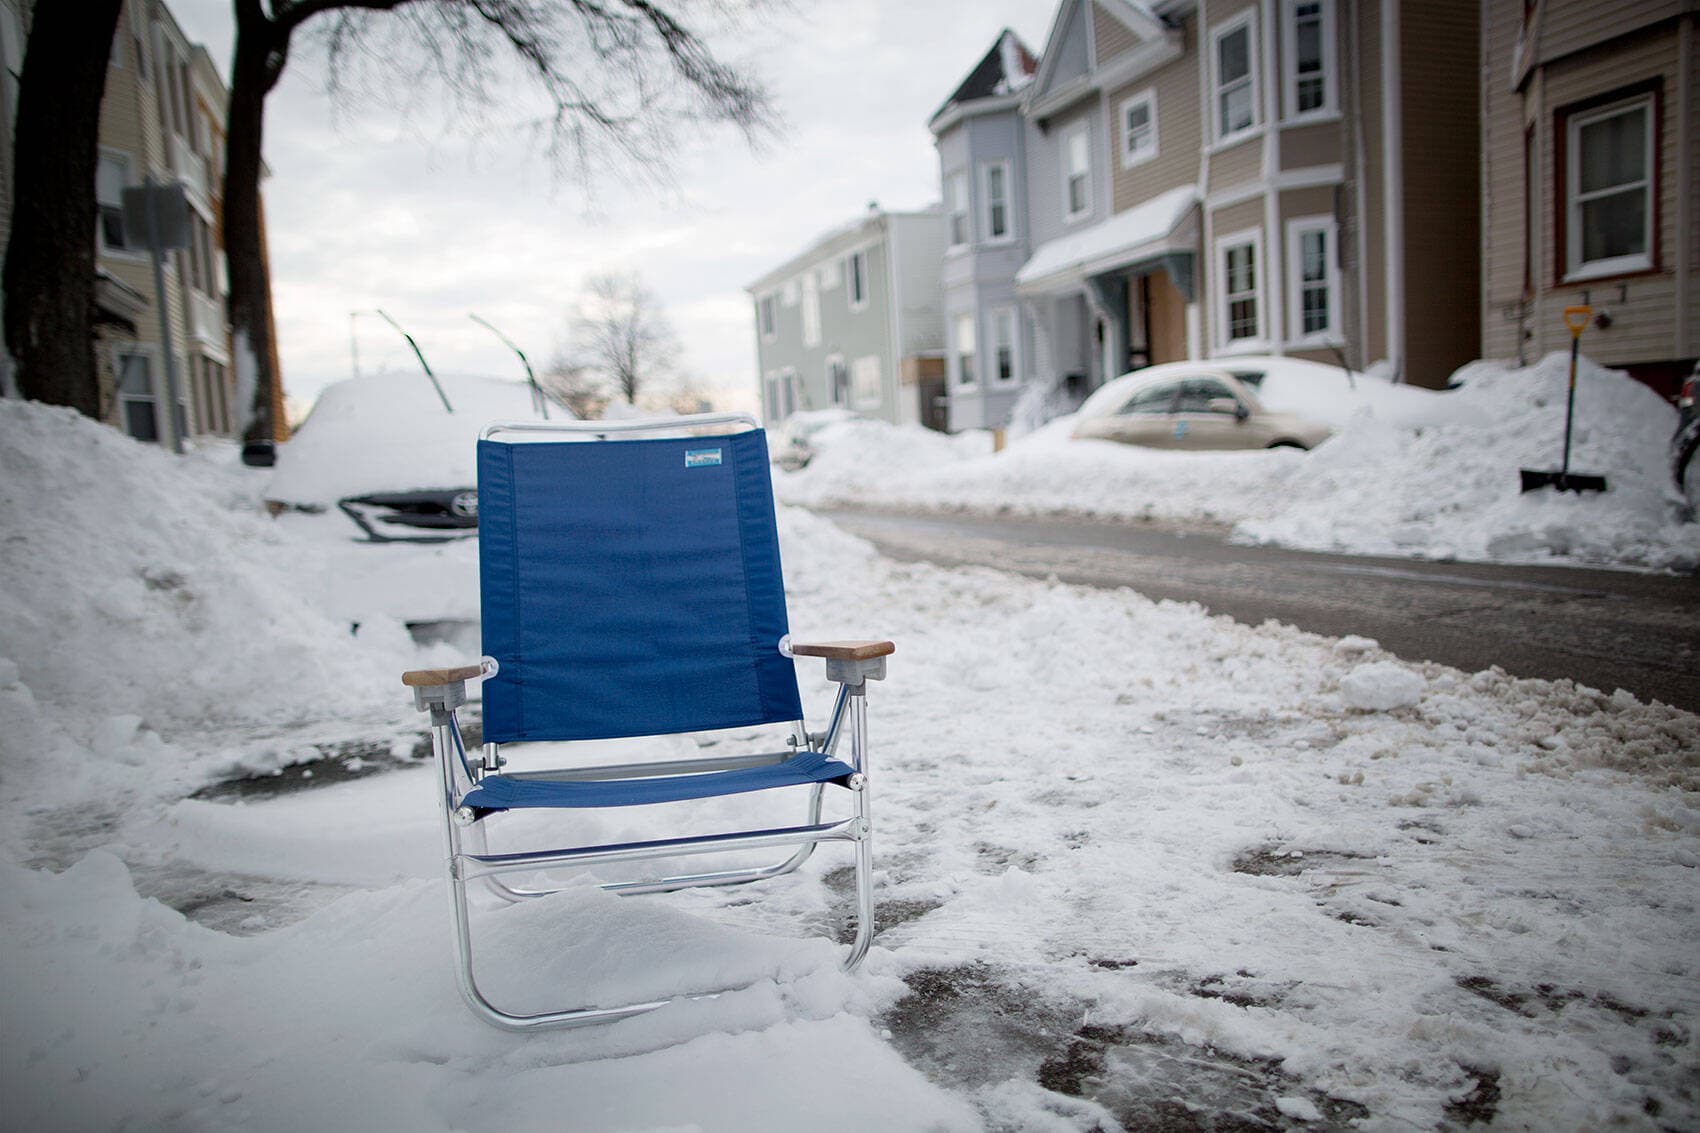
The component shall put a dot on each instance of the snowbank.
(1410, 472)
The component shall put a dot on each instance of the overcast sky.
(379, 211)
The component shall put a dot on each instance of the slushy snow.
(1134, 862)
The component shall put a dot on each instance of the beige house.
(1208, 178)
(1589, 188)
(162, 118)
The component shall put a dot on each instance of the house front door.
(1165, 318)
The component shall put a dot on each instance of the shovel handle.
(1576, 320)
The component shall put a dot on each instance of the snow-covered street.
(1139, 867)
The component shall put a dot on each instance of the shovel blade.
(1534, 479)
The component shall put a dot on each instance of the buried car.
(384, 451)
(1188, 405)
(1685, 442)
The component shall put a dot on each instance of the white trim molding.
(1258, 294)
(1131, 155)
(1328, 60)
(1299, 283)
(1216, 135)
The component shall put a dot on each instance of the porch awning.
(1146, 233)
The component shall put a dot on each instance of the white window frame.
(1330, 107)
(1130, 156)
(958, 206)
(1002, 317)
(1297, 228)
(1260, 291)
(860, 369)
(857, 279)
(767, 316)
(1081, 128)
(1575, 268)
(972, 381)
(130, 251)
(811, 310)
(835, 362)
(986, 203)
(1247, 21)
(153, 398)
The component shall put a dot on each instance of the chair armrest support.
(849, 663)
(442, 689)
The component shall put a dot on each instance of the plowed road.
(1605, 629)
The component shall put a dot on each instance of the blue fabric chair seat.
(502, 792)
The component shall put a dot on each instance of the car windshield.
(1155, 399)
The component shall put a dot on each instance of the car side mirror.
(1229, 405)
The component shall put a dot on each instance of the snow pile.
(390, 433)
(1452, 489)
(1381, 686)
(1410, 472)
(148, 595)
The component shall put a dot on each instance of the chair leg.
(444, 739)
(864, 828)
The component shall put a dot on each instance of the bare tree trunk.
(259, 57)
(49, 272)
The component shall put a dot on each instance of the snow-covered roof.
(1004, 71)
(1140, 233)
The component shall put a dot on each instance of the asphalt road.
(1605, 629)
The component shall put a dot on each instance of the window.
(1312, 278)
(1307, 52)
(1077, 172)
(764, 317)
(811, 310)
(110, 178)
(136, 403)
(963, 340)
(956, 193)
(1609, 171)
(1139, 128)
(838, 380)
(1155, 399)
(1004, 363)
(995, 195)
(1237, 315)
(1198, 393)
(865, 381)
(1233, 77)
(781, 394)
(856, 271)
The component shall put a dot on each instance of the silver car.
(1188, 406)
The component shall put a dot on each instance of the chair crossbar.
(650, 770)
(480, 865)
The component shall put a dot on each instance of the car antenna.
(538, 400)
(417, 353)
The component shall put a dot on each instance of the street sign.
(170, 214)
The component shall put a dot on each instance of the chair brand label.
(701, 457)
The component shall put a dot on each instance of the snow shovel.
(1575, 320)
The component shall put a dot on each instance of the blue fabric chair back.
(631, 588)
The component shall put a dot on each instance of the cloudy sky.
(380, 209)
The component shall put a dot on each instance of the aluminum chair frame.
(442, 691)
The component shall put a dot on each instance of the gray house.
(854, 321)
(980, 136)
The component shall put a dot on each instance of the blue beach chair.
(630, 587)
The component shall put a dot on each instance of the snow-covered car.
(1686, 440)
(1197, 405)
(791, 443)
(385, 452)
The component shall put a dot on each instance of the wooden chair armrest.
(424, 678)
(844, 650)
